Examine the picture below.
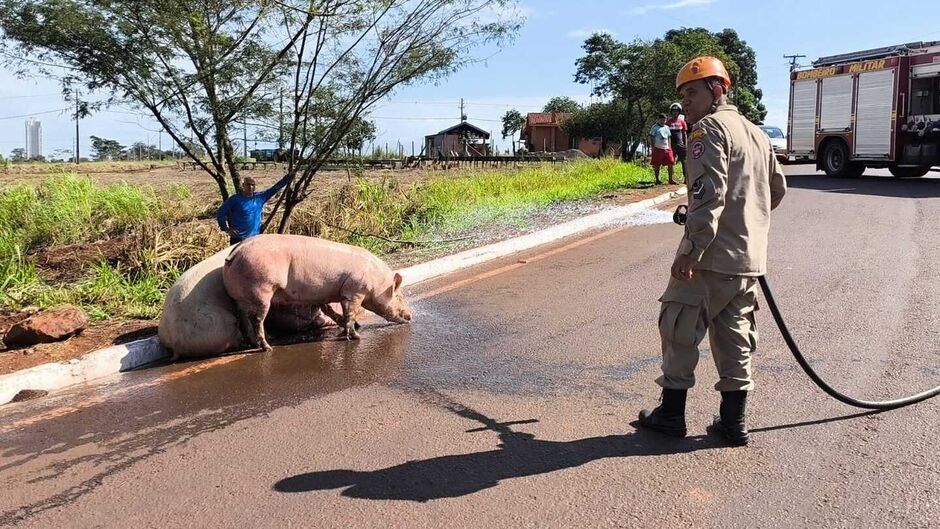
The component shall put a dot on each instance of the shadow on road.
(881, 186)
(518, 455)
(816, 422)
(160, 416)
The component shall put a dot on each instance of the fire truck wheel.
(908, 172)
(836, 161)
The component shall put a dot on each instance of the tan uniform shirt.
(735, 180)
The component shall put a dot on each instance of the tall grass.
(68, 209)
(487, 197)
(445, 205)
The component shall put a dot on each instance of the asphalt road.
(509, 401)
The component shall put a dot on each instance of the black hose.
(867, 404)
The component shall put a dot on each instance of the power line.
(466, 103)
(430, 119)
(41, 63)
(793, 58)
(28, 96)
(31, 114)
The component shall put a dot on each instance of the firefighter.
(735, 180)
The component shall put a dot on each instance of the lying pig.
(199, 318)
(271, 269)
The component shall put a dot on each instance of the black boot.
(730, 425)
(669, 417)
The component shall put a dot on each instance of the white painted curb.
(132, 355)
(445, 265)
(90, 366)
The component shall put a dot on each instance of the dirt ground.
(202, 185)
(103, 334)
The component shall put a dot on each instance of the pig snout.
(401, 313)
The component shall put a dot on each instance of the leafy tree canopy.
(640, 75)
(561, 104)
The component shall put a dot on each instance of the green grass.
(445, 205)
(67, 209)
(111, 291)
(488, 197)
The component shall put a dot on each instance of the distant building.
(543, 133)
(33, 138)
(463, 139)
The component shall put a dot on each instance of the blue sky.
(539, 64)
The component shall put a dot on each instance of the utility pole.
(793, 58)
(245, 137)
(280, 130)
(77, 137)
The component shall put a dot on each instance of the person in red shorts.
(679, 130)
(661, 140)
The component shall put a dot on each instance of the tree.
(640, 75)
(141, 151)
(193, 149)
(105, 149)
(608, 121)
(738, 57)
(199, 67)
(562, 104)
(63, 154)
(358, 55)
(615, 71)
(18, 155)
(360, 132)
(37, 158)
(513, 122)
(195, 66)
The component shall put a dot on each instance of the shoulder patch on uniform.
(696, 149)
(698, 188)
(697, 134)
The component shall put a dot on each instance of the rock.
(573, 154)
(46, 327)
(29, 394)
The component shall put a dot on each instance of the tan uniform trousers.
(723, 305)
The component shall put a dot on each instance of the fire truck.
(876, 108)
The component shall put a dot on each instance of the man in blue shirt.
(240, 215)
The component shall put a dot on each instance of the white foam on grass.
(646, 218)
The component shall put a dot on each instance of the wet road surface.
(509, 400)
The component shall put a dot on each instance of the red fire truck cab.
(872, 108)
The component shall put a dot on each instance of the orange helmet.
(703, 68)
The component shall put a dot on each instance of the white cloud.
(679, 4)
(585, 33)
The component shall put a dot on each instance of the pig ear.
(398, 280)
